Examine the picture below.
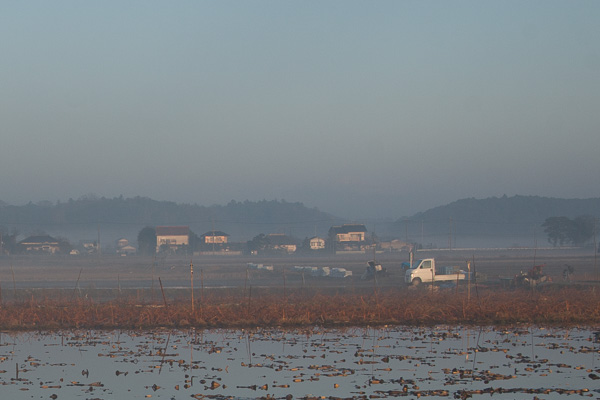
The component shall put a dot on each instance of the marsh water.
(381, 362)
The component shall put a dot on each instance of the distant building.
(122, 242)
(124, 248)
(172, 237)
(395, 245)
(348, 237)
(316, 243)
(279, 241)
(88, 247)
(348, 233)
(214, 237)
(40, 244)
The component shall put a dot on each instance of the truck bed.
(450, 277)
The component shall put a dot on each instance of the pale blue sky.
(359, 108)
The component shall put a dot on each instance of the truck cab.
(421, 271)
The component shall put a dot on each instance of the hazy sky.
(359, 108)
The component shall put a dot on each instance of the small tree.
(558, 230)
(562, 230)
(583, 229)
(195, 242)
(64, 245)
(305, 246)
(147, 241)
(259, 243)
(10, 245)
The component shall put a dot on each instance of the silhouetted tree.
(9, 242)
(563, 230)
(583, 229)
(558, 230)
(305, 246)
(194, 242)
(147, 241)
(259, 242)
(64, 245)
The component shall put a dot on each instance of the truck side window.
(426, 264)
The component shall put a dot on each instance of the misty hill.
(495, 221)
(492, 222)
(91, 217)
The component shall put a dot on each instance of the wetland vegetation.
(239, 308)
(138, 292)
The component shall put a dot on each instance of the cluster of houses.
(341, 238)
(46, 244)
(347, 237)
(40, 244)
(173, 239)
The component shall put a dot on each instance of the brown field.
(109, 292)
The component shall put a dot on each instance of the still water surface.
(440, 362)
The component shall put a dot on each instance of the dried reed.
(565, 306)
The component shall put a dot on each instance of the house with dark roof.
(172, 237)
(40, 244)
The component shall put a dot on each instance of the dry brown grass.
(551, 305)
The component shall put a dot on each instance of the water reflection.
(452, 362)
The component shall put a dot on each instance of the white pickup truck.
(425, 271)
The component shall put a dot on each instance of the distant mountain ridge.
(496, 221)
(516, 209)
(124, 217)
(492, 220)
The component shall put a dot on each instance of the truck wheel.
(416, 281)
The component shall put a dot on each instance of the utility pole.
(99, 247)
(534, 245)
(469, 281)
(213, 236)
(192, 282)
(450, 233)
(596, 250)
